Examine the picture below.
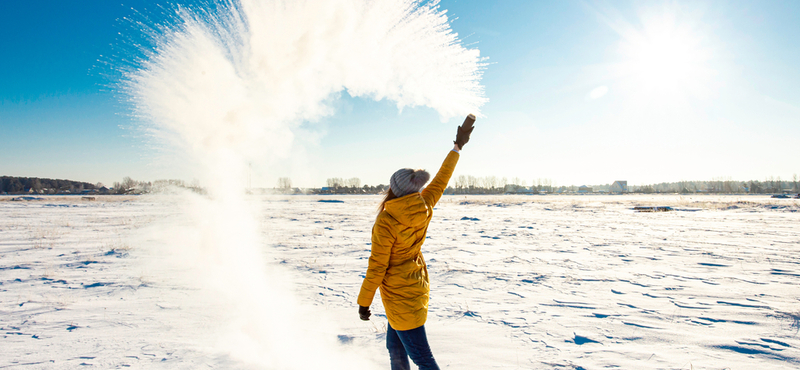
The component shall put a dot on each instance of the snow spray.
(229, 83)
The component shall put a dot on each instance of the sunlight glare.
(664, 56)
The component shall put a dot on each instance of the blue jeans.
(413, 343)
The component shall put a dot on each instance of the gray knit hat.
(406, 181)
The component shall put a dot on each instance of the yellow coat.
(396, 264)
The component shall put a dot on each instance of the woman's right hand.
(462, 136)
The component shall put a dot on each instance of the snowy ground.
(518, 282)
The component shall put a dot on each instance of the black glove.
(462, 137)
(363, 313)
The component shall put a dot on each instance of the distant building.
(583, 189)
(619, 187)
(516, 189)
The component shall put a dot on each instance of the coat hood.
(409, 210)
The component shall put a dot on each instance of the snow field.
(518, 282)
(585, 281)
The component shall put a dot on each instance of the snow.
(518, 282)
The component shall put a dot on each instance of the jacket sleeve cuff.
(365, 297)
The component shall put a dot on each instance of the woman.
(396, 264)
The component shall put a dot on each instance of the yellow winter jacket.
(396, 264)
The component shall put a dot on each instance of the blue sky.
(579, 93)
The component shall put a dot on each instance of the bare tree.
(491, 182)
(461, 182)
(284, 183)
(335, 182)
(472, 182)
(769, 184)
(484, 182)
(127, 185)
(548, 185)
(728, 187)
(354, 182)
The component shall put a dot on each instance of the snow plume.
(229, 85)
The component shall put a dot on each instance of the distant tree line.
(463, 184)
(34, 185)
(772, 185)
(338, 182)
(19, 185)
(466, 184)
(337, 185)
(131, 186)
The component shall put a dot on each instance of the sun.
(665, 55)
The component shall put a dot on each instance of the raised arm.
(433, 192)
